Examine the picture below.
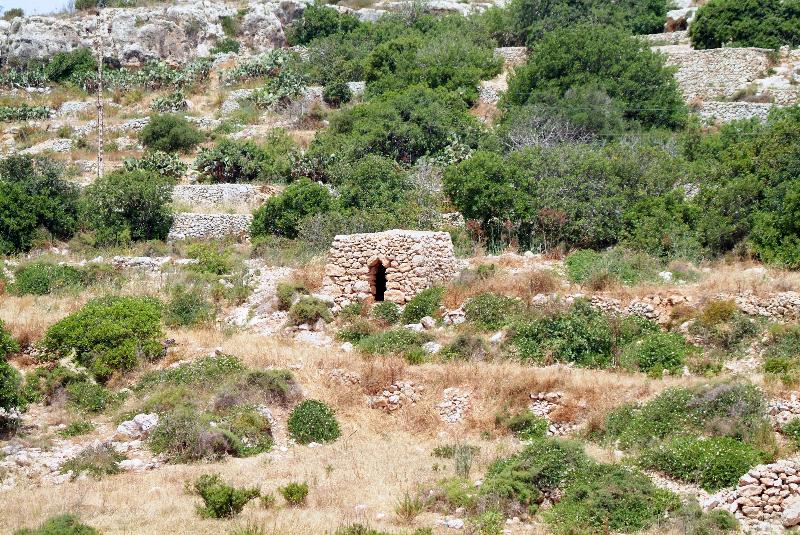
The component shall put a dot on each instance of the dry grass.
(310, 275)
(523, 285)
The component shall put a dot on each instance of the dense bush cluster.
(313, 421)
(761, 23)
(246, 161)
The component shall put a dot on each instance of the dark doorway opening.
(377, 281)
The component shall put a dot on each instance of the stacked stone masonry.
(725, 112)
(411, 261)
(210, 226)
(221, 195)
(715, 73)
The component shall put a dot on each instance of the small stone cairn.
(454, 405)
(400, 393)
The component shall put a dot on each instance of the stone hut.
(387, 266)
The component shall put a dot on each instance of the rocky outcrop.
(176, 33)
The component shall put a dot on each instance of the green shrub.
(373, 181)
(237, 161)
(313, 421)
(393, 341)
(492, 311)
(183, 435)
(34, 195)
(109, 334)
(792, 431)
(252, 430)
(610, 497)
(75, 63)
(14, 12)
(286, 293)
(623, 266)
(156, 161)
(309, 310)
(337, 93)
(295, 493)
(525, 424)
(656, 353)
(7, 343)
(425, 303)
(589, 55)
(170, 133)
(281, 214)
(90, 397)
(725, 409)
(221, 500)
(467, 347)
(60, 525)
(522, 479)
(581, 336)
(273, 386)
(205, 371)
(171, 103)
(10, 387)
(187, 307)
(763, 23)
(211, 259)
(319, 20)
(129, 206)
(226, 46)
(448, 451)
(41, 278)
(713, 463)
(720, 323)
(487, 523)
(386, 312)
(95, 461)
(76, 428)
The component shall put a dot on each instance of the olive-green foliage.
(87, 396)
(313, 421)
(212, 259)
(721, 324)
(521, 479)
(60, 525)
(337, 93)
(170, 132)
(294, 493)
(10, 387)
(281, 214)
(610, 498)
(782, 355)
(95, 461)
(251, 429)
(319, 20)
(129, 206)
(184, 435)
(109, 334)
(760, 23)
(205, 371)
(604, 57)
(221, 500)
(527, 21)
(64, 65)
(371, 182)
(726, 409)
(404, 126)
(392, 341)
(656, 353)
(492, 311)
(187, 306)
(691, 519)
(41, 278)
(582, 336)
(465, 346)
(308, 310)
(624, 266)
(525, 424)
(239, 161)
(156, 161)
(34, 195)
(792, 431)
(386, 311)
(286, 292)
(713, 463)
(425, 303)
(7, 342)
(225, 46)
(76, 428)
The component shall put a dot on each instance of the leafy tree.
(319, 20)
(738, 23)
(125, 206)
(281, 214)
(33, 195)
(170, 133)
(64, 65)
(603, 58)
(371, 182)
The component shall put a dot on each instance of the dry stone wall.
(725, 112)
(716, 73)
(210, 226)
(413, 261)
(221, 195)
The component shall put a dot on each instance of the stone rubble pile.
(260, 311)
(542, 404)
(138, 427)
(783, 411)
(398, 394)
(345, 377)
(767, 493)
(454, 405)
